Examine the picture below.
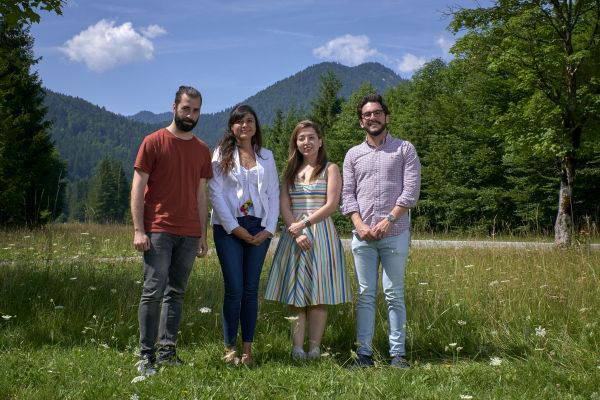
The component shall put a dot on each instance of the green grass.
(69, 327)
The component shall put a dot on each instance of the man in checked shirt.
(382, 179)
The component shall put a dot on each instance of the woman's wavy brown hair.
(295, 158)
(229, 143)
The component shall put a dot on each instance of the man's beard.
(377, 132)
(184, 124)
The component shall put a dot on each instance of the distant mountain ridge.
(299, 90)
(84, 133)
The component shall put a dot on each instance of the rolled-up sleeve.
(411, 182)
(349, 202)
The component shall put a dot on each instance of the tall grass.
(69, 298)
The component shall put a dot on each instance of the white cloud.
(348, 49)
(444, 44)
(104, 46)
(152, 31)
(410, 63)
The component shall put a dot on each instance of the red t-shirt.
(175, 167)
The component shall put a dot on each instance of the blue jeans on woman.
(241, 264)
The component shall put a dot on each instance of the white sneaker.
(298, 353)
(314, 354)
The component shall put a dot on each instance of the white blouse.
(249, 180)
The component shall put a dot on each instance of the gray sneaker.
(298, 353)
(168, 356)
(399, 362)
(147, 365)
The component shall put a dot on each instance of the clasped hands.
(256, 240)
(364, 232)
(296, 229)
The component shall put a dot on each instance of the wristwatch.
(306, 222)
(390, 218)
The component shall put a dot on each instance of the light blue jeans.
(392, 252)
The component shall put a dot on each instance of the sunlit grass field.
(482, 323)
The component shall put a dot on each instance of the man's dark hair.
(371, 98)
(190, 91)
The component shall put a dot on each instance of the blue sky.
(132, 55)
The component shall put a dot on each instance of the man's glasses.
(369, 114)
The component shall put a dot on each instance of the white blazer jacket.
(226, 191)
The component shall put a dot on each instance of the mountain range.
(85, 133)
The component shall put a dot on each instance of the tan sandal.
(248, 361)
(231, 357)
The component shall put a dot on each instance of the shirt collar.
(385, 138)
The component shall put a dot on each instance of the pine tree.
(109, 194)
(346, 132)
(327, 105)
(31, 172)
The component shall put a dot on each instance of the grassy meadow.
(482, 324)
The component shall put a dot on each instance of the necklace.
(247, 160)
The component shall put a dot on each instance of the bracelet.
(306, 222)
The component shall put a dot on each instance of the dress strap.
(323, 174)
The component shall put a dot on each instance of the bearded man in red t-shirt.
(169, 209)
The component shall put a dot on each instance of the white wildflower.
(461, 322)
(85, 233)
(134, 397)
(452, 344)
(6, 317)
(204, 310)
(495, 361)
(423, 283)
(138, 379)
(74, 278)
(469, 266)
(325, 354)
(493, 283)
(539, 331)
(291, 319)
(466, 396)
(92, 288)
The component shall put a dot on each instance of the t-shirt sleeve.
(206, 171)
(146, 156)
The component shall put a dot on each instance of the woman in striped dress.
(308, 270)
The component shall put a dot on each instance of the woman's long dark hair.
(228, 143)
(295, 158)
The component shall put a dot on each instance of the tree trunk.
(563, 227)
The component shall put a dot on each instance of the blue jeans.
(167, 267)
(392, 252)
(241, 264)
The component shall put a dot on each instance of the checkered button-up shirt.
(378, 178)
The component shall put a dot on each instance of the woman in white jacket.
(244, 193)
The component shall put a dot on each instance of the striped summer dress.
(318, 276)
